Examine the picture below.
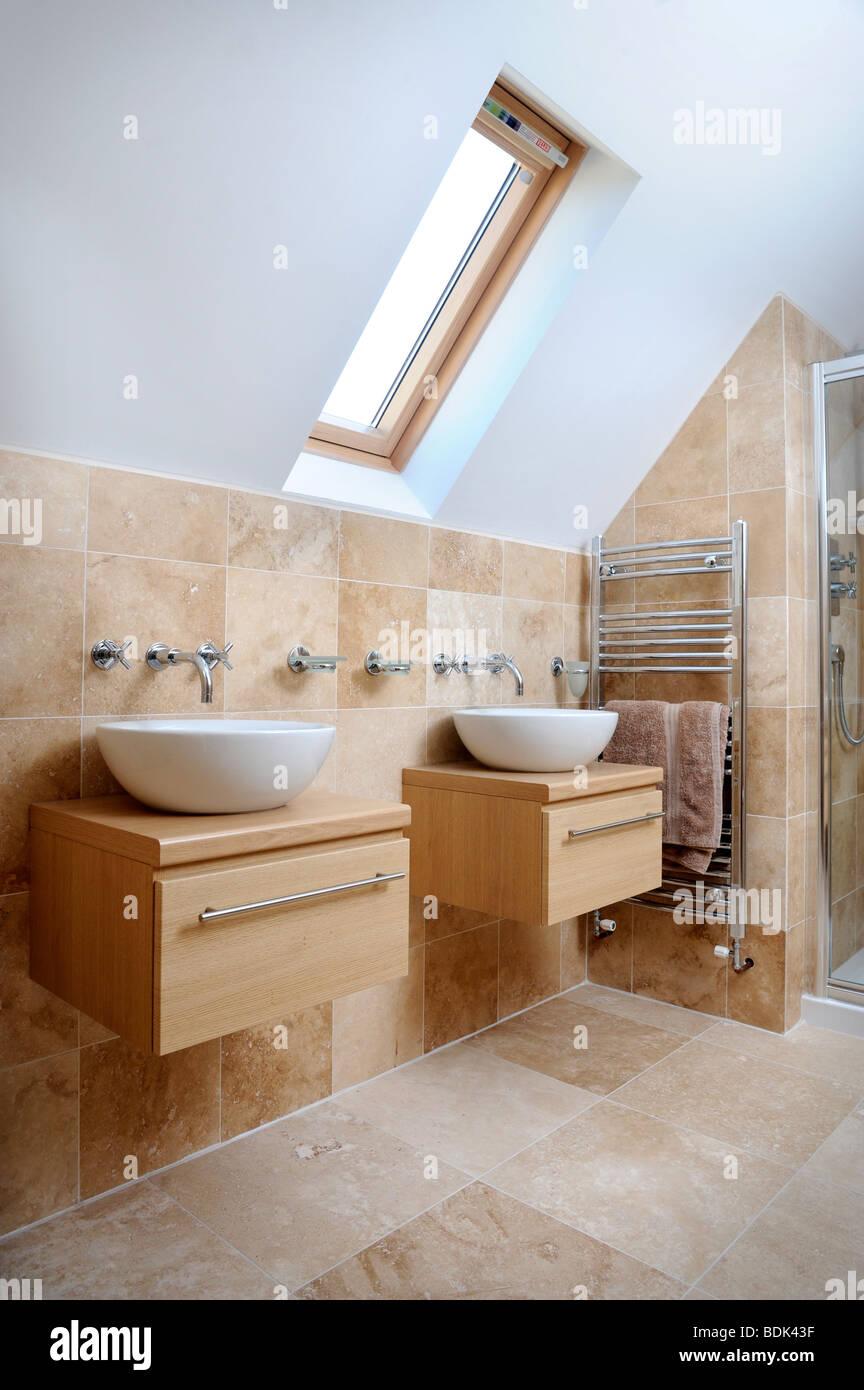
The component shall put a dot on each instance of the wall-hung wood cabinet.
(535, 847)
(173, 929)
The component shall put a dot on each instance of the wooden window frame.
(469, 308)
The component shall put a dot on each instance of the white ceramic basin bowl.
(535, 740)
(214, 765)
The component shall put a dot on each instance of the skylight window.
(481, 222)
(449, 232)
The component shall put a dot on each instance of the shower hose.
(838, 658)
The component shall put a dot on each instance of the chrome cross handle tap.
(106, 653)
(213, 656)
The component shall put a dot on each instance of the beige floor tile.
(133, 1244)
(304, 1194)
(654, 1190)
(811, 1234)
(545, 1039)
(468, 1106)
(774, 1111)
(640, 1010)
(841, 1158)
(482, 1245)
(816, 1050)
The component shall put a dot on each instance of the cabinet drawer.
(609, 861)
(230, 972)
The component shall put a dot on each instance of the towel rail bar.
(667, 545)
(620, 646)
(684, 569)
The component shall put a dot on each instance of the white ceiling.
(303, 126)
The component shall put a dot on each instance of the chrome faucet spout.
(201, 666)
(159, 655)
(499, 662)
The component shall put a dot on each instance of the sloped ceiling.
(302, 126)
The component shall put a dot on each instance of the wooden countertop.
(124, 826)
(531, 786)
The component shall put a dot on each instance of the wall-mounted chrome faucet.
(159, 655)
(472, 666)
(299, 660)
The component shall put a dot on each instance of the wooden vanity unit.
(164, 927)
(533, 846)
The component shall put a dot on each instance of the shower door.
(839, 440)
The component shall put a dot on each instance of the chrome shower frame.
(822, 374)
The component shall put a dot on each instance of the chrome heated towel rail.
(640, 636)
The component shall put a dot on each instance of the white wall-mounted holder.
(577, 674)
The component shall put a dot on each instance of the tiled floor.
(598, 1145)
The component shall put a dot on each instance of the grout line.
(222, 1239)
(385, 1235)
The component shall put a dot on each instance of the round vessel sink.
(214, 766)
(535, 740)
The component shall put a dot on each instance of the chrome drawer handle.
(211, 913)
(613, 825)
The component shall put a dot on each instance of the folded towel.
(689, 742)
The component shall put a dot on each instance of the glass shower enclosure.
(838, 403)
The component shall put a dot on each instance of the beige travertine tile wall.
(127, 554)
(745, 451)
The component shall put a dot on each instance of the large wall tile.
(767, 639)
(533, 571)
(758, 996)
(757, 437)
(767, 767)
(378, 1028)
(274, 1068)
(41, 760)
(460, 623)
(694, 464)
(529, 965)
(38, 1140)
(465, 562)
(380, 550)
(33, 1022)
(391, 620)
(676, 962)
(137, 514)
(610, 958)
(153, 1109)
(41, 618)
(765, 514)
(372, 747)
(151, 601)
(573, 951)
(577, 580)
(759, 358)
(60, 487)
(532, 633)
(268, 614)
(275, 533)
(461, 987)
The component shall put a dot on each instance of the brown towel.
(689, 742)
